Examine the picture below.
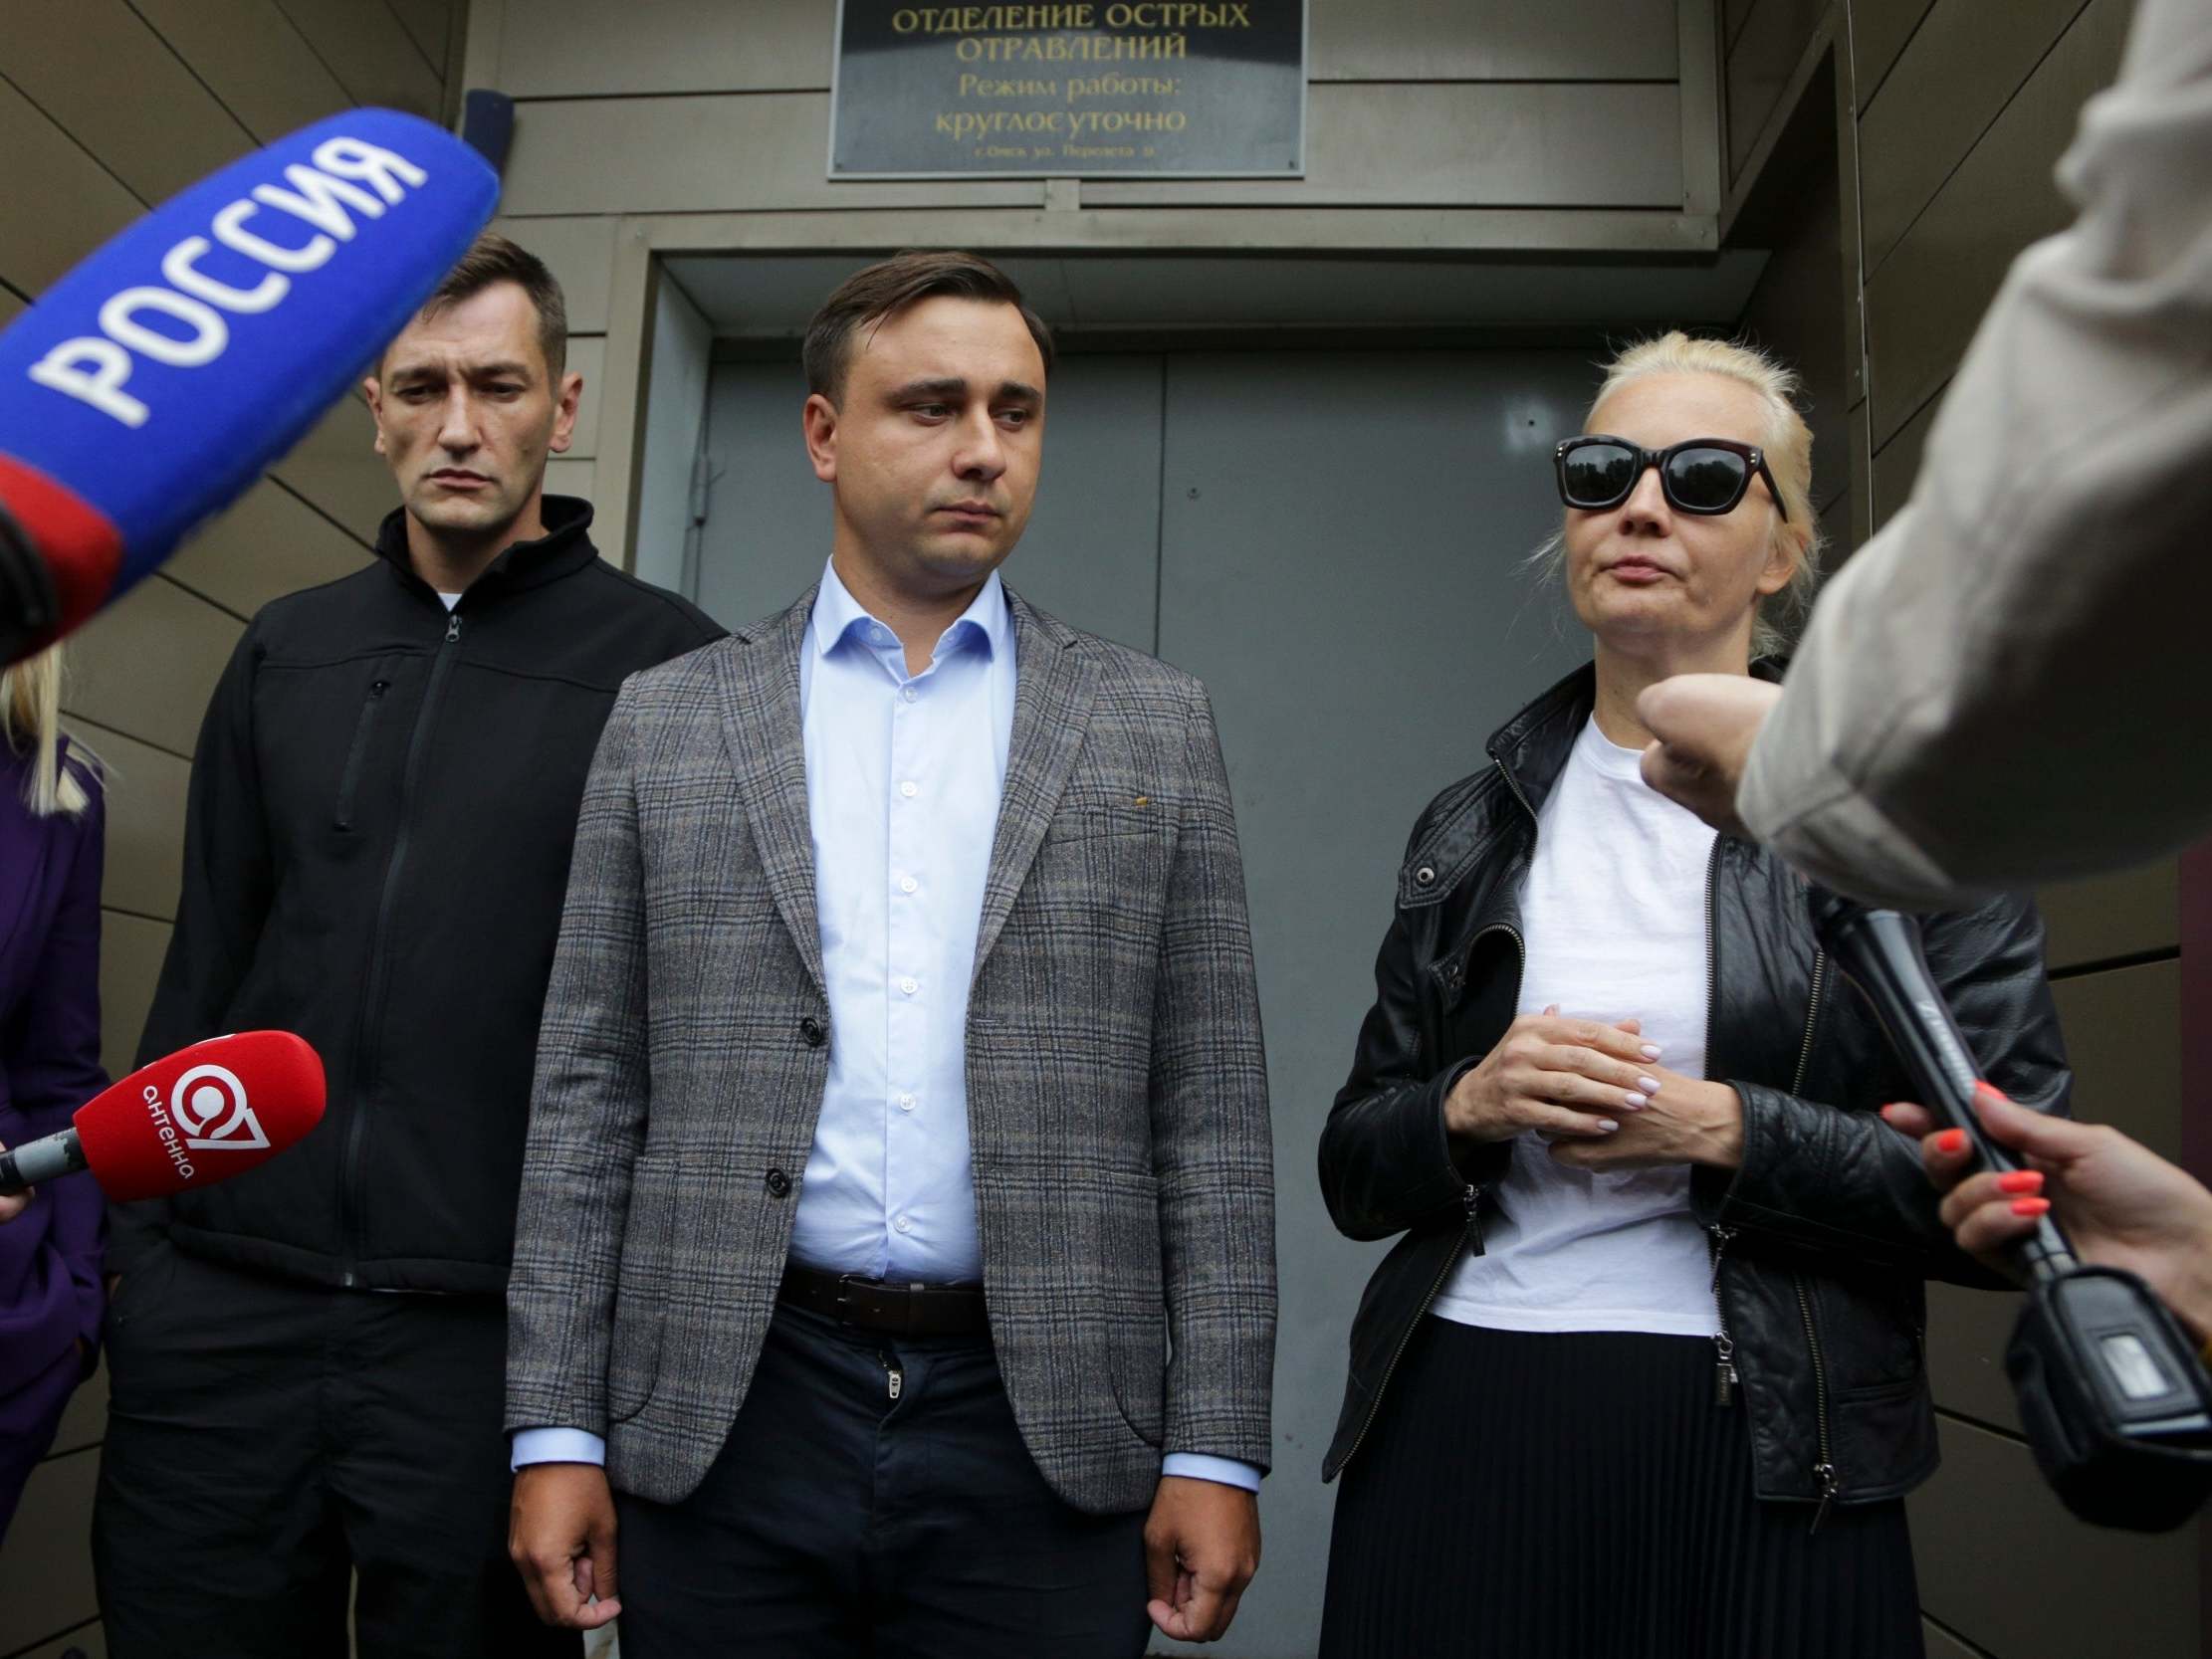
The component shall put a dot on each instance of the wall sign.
(1161, 89)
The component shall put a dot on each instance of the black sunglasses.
(1700, 475)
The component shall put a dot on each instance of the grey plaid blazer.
(1117, 1097)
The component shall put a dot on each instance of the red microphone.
(203, 1114)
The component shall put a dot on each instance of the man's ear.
(569, 395)
(819, 422)
(372, 390)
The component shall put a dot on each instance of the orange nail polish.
(2020, 1180)
(2030, 1206)
(1985, 1091)
(1951, 1141)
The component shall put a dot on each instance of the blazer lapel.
(767, 750)
(1054, 682)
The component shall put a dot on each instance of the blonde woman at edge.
(52, 833)
(1643, 1377)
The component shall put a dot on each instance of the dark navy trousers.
(875, 1497)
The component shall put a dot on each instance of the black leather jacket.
(1825, 1233)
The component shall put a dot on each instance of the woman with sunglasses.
(1643, 1376)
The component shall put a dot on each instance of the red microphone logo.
(209, 1105)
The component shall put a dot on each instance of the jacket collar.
(1533, 748)
(1054, 686)
(565, 548)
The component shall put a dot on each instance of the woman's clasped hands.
(1599, 1094)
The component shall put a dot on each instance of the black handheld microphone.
(2117, 1404)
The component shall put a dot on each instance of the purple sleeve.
(53, 1052)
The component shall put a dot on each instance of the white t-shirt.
(1613, 913)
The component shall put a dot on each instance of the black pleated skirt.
(1580, 1496)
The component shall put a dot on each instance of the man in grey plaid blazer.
(865, 1374)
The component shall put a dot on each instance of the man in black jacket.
(307, 1363)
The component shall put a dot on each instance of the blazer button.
(810, 1029)
(779, 1183)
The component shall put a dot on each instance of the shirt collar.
(986, 620)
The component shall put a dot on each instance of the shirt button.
(903, 1225)
(908, 693)
(906, 1103)
(910, 986)
(881, 636)
(910, 789)
(779, 1183)
(909, 885)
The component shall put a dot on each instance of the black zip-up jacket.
(375, 853)
(1825, 1234)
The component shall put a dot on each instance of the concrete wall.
(106, 107)
(1897, 154)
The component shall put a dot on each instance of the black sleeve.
(1821, 1179)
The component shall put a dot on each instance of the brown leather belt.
(897, 1309)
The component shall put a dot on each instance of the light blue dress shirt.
(903, 780)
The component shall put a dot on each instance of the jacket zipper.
(1824, 1471)
(351, 778)
(1724, 1345)
(352, 1199)
(1470, 1194)
(1471, 1197)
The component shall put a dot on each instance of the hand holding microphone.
(203, 1114)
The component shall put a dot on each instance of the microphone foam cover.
(203, 1115)
(156, 380)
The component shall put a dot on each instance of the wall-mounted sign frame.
(1089, 88)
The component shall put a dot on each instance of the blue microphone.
(150, 387)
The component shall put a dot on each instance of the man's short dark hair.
(889, 286)
(493, 259)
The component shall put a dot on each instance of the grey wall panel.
(1734, 14)
(1492, 39)
(427, 22)
(78, 205)
(580, 254)
(1340, 563)
(747, 151)
(587, 357)
(1966, 1336)
(1759, 66)
(2001, 1563)
(1924, 303)
(130, 952)
(75, 57)
(1941, 1644)
(146, 820)
(2124, 1037)
(270, 543)
(371, 52)
(2104, 917)
(46, 1570)
(1835, 522)
(336, 468)
(1898, 463)
(1089, 554)
(1797, 311)
(252, 58)
(549, 48)
(85, 1419)
(1959, 70)
(1462, 143)
(146, 665)
(1880, 30)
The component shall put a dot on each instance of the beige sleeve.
(2010, 682)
